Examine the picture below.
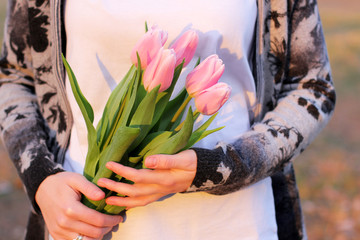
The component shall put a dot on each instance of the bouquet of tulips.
(140, 118)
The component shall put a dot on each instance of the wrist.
(41, 184)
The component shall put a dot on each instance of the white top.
(100, 37)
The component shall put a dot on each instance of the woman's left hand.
(166, 174)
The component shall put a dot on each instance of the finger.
(131, 190)
(139, 175)
(90, 190)
(90, 216)
(185, 160)
(131, 202)
(84, 229)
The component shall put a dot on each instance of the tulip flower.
(210, 100)
(185, 47)
(205, 75)
(148, 46)
(160, 70)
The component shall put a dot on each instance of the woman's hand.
(58, 197)
(170, 174)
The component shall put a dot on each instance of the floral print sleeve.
(23, 128)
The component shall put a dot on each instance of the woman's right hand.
(58, 197)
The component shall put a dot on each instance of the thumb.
(185, 160)
(90, 190)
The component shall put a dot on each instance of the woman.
(293, 100)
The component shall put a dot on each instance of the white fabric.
(100, 37)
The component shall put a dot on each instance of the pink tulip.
(185, 47)
(160, 70)
(210, 100)
(148, 46)
(205, 75)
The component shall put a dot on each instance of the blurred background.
(328, 172)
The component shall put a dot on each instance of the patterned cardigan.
(295, 99)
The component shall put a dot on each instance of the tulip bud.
(185, 47)
(160, 70)
(148, 46)
(210, 100)
(205, 75)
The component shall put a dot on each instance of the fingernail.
(150, 162)
(108, 164)
(99, 194)
(100, 181)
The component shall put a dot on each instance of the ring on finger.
(79, 237)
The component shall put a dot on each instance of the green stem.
(181, 109)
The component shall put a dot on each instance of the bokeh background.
(327, 172)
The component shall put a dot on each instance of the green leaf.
(118, 94)
(151, 141)
(206, 124)
(208, 132)
(92, 160)
(115, 152)
(146, 27)
(84, 105)
(122, 116)
(145, 111)
(88, 114)
(177, 73)
(170, 110)
(201, 132)
(140, 95)
(113, 210)
(200, 136)
(114, 108)
(122, 139)
(143, 116)
(176, 142)
(134, 160)
(197, 62)
(134, 91)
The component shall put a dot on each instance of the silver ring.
(79, 237)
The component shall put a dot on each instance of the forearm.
(25, 137)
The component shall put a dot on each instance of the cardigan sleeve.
(23, 129)
(303, 106)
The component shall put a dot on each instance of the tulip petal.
(185, 46)
(205, 75)
(212, 99)
(160, 71)
(148, 46)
